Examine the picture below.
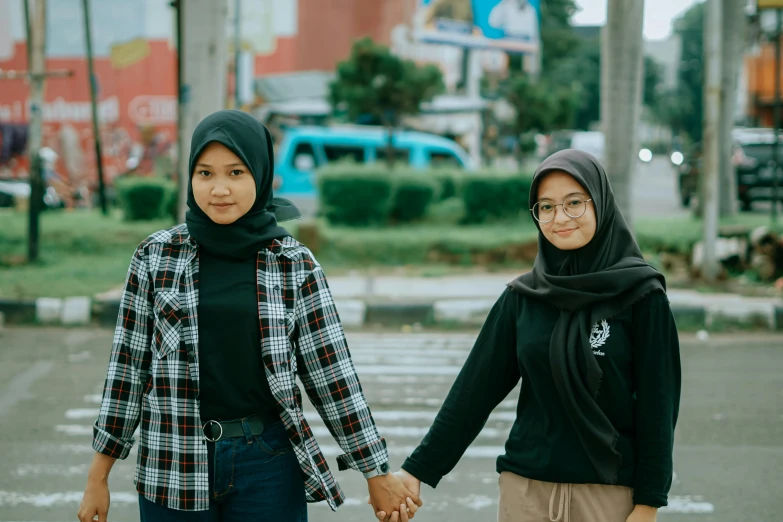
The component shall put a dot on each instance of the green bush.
(355, 195)
(144, 198)
(413, 194)
(449, 182)
(490, 195)
(171, 209)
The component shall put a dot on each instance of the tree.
(569, 62)
(539, 107)
(690, 28)
(581, 72)
(377, 84)
(621, 95)
(653, 76)
(558, 40)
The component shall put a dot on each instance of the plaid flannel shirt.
(153, 373)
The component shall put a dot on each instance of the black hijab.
(595, 282)
(246, 137)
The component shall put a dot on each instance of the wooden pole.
(712, 104)
(94, 107)
(37, 45)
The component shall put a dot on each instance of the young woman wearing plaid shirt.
(218, 317)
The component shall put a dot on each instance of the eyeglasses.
(574, 207)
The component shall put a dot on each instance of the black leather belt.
(215, 430)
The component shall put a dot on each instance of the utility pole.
(621, 95)
(776, 116)
(35, 28)
(37, 42)
(711, 154)
(203, 53)
(94, 107)
(734, 26)
(237, 50)
(181, 97)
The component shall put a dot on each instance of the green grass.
(83, 253)
(421, 244)
(679, 234)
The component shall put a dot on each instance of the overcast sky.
(658, 15)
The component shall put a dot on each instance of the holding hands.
(400, 502)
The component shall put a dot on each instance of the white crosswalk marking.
(11, 498)
(405, 377)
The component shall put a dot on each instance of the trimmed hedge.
(494, 196)
(413, 194)
(365, 195)
(145, 198)
(449, 181)
(355, 195)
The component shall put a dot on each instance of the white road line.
(688, 504)
(82, 413)
(58, 449)
(391, 352)
(404, 360)
(473, 452)
(362, 369)
(95, 398)
(406, 379)
(19, 387)
(422, 401)
(396, 415)
(14, 498)
(411, 432)
(36, 470)
(74, 429)
(477, 502)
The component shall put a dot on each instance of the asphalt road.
(655, 189)
(729, 446)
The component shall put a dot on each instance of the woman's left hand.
(643, 514)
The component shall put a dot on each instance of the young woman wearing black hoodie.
(590, 333)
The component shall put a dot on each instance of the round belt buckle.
(208, 423)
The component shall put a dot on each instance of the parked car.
(688, 175)
(752, 159)
(304, 149)
(592, 142)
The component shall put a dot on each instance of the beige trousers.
(526, 500)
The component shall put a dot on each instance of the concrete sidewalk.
(463, 300)
(466, 300)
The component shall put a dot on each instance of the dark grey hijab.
(246, 137)
(595, 282)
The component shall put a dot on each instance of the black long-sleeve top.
(638, 351)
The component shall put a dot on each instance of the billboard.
(508, 25)
(770, 4)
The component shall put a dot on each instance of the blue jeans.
(251, 478)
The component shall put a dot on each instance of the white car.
(592, 142)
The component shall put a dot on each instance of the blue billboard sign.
(508, 25)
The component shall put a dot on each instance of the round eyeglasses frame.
(554, 212)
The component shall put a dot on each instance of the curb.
(69, 311)
(739, 313)
(16, 312)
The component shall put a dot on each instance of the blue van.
(305, 149)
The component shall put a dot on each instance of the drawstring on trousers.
(564, 503)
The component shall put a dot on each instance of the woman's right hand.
(95, 501)
(414, 485)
